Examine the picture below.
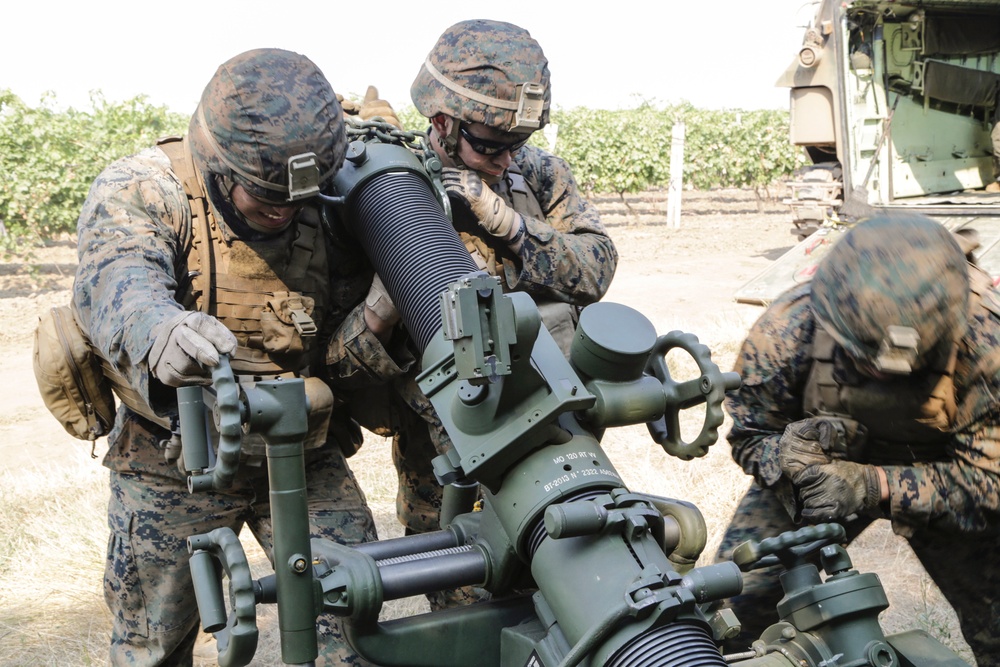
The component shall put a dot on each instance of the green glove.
(838, 490)
(186, 345)
(490, 210)
(805, 443)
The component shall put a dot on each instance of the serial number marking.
(585, 472)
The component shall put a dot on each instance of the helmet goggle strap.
(898, 351)
(450, 141)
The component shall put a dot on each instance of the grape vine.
(49, 157)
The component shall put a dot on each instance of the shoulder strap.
(201, 267)
(822, 394)
(522, 198)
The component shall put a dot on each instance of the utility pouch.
(287, 323)
(69, 376)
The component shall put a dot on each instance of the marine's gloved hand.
(492, 212)
(186, 346)
(373, 106)
(805, 443)
(380, 304)
(838, 490)
(350, 107)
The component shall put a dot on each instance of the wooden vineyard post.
(676, 175)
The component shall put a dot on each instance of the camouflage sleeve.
(568, 256)
(355, 357)
(127, 249)
(963, 493)
(773, 364)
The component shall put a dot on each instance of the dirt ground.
(680, 278)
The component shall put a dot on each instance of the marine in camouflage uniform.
(871, 393)
(485, 88)
(200, 247)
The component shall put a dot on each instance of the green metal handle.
(709, 389)
(237, 641)
(228, 420)
(789, 548)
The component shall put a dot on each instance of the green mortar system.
(581, 570)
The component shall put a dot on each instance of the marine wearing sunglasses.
(490, 147)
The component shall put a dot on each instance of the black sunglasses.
(488, 146)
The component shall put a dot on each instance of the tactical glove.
(373, 106)
(838, 490)
(804, 443)
(490, 210)
(186, 345)
(378, 302)
(350, 107)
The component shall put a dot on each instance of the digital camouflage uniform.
(944, 490)
(566, 260)
(135, 255)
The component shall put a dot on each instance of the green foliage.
(629, 151)
(616, 151)
(49, 157)
(741, 149)
(412, 119)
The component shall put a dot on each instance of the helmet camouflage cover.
(486, 72)
(262, 108)
(891, 284)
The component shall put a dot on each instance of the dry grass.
(53, 532)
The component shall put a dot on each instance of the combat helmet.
(893, 292)
(487, 72)
(269, 121)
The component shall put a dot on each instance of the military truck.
(893, 103)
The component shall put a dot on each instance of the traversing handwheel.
(709, 389)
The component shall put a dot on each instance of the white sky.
(712, 53)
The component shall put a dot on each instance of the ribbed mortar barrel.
(680, 644)
(412, 244)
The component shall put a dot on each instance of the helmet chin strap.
(224, 187)
(449, 142)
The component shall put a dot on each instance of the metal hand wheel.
(709, 389)
(236, 635)
(227, 415)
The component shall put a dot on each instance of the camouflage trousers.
(151, 514)
(969, 579)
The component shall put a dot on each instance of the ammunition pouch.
(69, 376)
(286, 323)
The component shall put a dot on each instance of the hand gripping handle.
(709, 389)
